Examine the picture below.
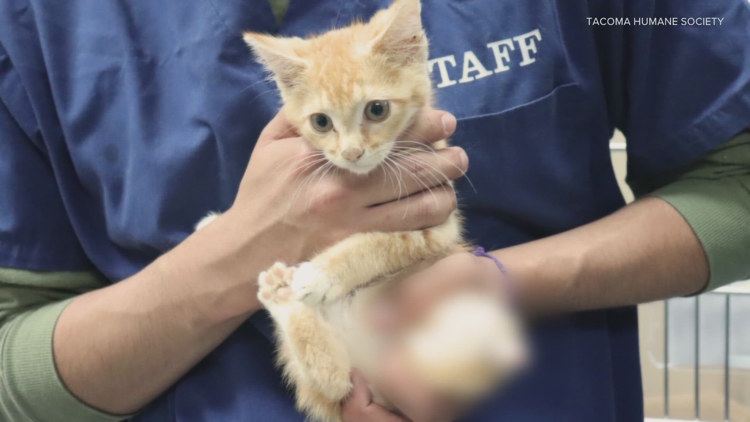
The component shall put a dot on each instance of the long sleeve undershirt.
(713, 195)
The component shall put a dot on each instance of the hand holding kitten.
(373, 189)
(275, 195)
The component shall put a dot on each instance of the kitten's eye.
(321, 122)
(377, 110)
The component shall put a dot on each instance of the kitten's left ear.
(399, 33)
(280, 56)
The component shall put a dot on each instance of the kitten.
(351, 92)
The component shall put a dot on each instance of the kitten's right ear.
(279, 56)
(399, 32)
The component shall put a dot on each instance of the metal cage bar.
(707, 354)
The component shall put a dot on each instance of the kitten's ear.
(399, 33)
(280, 56)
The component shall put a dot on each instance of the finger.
(423, 407)
(420, 211)
(358, 407)
(407, 173)
(414, 399)
(431, 126)
(278, 128)
(360, 395)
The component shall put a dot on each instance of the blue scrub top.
(122, 123)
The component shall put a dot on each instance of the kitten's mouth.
(364, 165)
(360, 167)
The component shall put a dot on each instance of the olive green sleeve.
(30, 388)
(713, 195)
(279, 9)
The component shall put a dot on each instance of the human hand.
(301, 207)
(359, 406)
(415, 401)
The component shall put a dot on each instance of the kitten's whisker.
(329, 169)
(321, 174)
(422, 146)
(393, 165)
(403, 150)
(420, 181)
(260, 94)
(304, 166)
(317, 176)
(302, 159)
(429, 170)
(298, 190)
(302, 172)
(424, 167)
(437, 177)
(264, 81)
(395, 178)
(385, 168)
(399, 177)
(304, 184)
(386, 175)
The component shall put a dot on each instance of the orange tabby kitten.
(351, 92)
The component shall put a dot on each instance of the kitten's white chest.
(351, 319)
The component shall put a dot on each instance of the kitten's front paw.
(313, 287)
(273, 285)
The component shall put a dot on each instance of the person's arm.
(117, 348)
(30, 304)
(713, 196)
(669, 243)
(644, 252)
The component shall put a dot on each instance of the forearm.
(30, 304)
(145, 332)
(644, 252)
(29, 387)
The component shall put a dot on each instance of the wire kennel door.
(695, 354)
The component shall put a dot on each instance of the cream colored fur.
(320, 308)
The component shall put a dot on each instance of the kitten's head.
(352, 91)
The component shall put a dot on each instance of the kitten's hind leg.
(310, 348)
(317, 406)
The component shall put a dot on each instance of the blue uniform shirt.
(122, 123)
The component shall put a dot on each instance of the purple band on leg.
(479, 251)
(507, 279)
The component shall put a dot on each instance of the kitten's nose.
(352, 154)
